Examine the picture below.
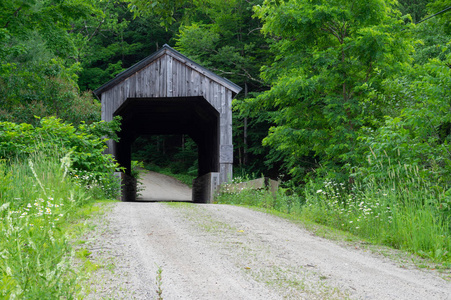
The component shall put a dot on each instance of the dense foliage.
(39, 61)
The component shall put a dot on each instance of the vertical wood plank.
(183, 81)
(211, 94)
(126, 84)
(228, 100)
(138, 92)
(202, 85)
(217, 100)
(188, 82)
(169, 77)
(103, 107)
(157, 78)
(135, 83)
(131, 88)
(152, 80)
(175, 78)
(196, 83)
(115, 98)
(207, 89)
(162, 89)
(143, 88)
(148, 80)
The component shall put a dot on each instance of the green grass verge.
(40, 213)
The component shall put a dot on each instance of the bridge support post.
(205, 187)
(226, 163)
(128, 186)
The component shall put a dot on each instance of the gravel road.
(227, 252)
(159, 187)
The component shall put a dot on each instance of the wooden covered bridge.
(167, 93)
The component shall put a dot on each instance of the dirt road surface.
(227, 252)
(159, 187)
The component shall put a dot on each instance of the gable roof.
(166, 49)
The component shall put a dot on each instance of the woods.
(346, 102)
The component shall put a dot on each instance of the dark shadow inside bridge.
(193, 116)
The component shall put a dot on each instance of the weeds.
(37, 199)
(159, 283)
(395, 212)
(282, 201)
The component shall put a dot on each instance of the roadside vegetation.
(49, 177)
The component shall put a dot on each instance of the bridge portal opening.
(191, 116)
(177, 154)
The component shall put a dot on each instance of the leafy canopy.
(331, 58)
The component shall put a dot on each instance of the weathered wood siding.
(167, 77)
(172, 75)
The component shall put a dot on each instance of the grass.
(401, 212)
(38, 204)
(159, 283)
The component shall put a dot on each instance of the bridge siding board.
(165, 63)
(188, 81)
(169, 76)
(175, 71)
(183, 81)
(157, 78)
(196, 84)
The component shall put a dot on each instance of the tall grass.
(403, 209)
(282, 201)
(37, 198)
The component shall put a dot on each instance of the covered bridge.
(167, 93)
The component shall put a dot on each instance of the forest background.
(347, 102)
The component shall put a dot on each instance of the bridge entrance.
(167, 93)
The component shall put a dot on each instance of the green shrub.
(85, 143)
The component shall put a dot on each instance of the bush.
(85, 143)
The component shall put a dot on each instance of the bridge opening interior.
(177, 153)
(192, 116)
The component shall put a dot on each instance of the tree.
(438, 6)
(415, 8)
(331, 58)
(223, 36)
(38, 71)
(113, 41)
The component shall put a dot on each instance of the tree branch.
(15, 15)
